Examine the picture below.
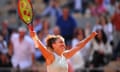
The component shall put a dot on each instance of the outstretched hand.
(33, 34)
(93, 34)
(31, 30)
(30, 27)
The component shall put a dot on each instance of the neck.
(20, 38)
(65, 17)
(58, 53)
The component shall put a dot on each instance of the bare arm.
(46, 11)
(46, 53)
(81, 44)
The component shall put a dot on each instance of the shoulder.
(14, 36)
(93, 42)
(60, 17)
(59, 20)
(29, 39)
(71, 17)
(48, 8)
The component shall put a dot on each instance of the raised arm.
(81, 44)
(46, 53)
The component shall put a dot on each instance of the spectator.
(67, 25)
(5, 30)
(4, 60)
(77, 60)
(40, 35)
(104, 23)
(116, 24)
(106, 3)
(110, 30)
(107, 27)
(38, 54)
(91, 9)
(37, 23)
(56, 30)
(22, 50)
(45, 29)
(102, 50)
(97, 25)
(53, 10)
(78, 5)
(99, 9)
(110, 6)
(3, 45)
(79, 36)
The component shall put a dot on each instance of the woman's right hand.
(31, 30)
(33, 34)
(30, 27)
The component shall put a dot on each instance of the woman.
(54, 51)
(107, 27)
(4, 58)
(78, 59)
(102, 50)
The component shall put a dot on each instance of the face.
(103, 22)
(22, 34)
(80, 35)
(65, 12)
(53, 3)
(59, 45)
(1, 37)
(56, 30)
(99, 35)
(46, 24)
(40, 35)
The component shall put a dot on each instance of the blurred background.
(74, 20)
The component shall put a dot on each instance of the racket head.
(25, 11)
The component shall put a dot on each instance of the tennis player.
(54, 52)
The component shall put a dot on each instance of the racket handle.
(30, 27)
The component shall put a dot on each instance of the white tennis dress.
(59, 64)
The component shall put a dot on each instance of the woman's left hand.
(93, 34)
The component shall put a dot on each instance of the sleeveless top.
(58, 65)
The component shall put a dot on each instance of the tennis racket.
(25, 11)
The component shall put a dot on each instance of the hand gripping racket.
(25, 12)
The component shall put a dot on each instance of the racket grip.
(30, 27)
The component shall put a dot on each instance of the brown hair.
(50, 39)
(77, 30)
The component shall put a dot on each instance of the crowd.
(17, 50)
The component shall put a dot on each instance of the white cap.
(22, 29)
